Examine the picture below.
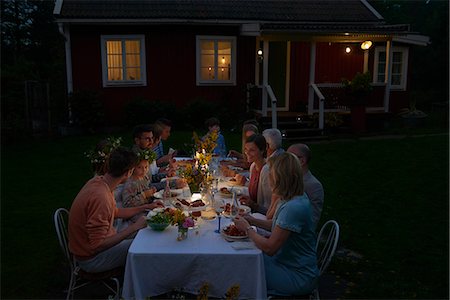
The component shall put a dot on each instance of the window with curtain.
(123, 59)
(216, 62)
(399, 67)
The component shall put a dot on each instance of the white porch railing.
(273, 100)
(321, 104)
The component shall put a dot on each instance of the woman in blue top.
(289, 253)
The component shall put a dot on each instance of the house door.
(279, 73)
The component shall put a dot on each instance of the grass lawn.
(389, 196)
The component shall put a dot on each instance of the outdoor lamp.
(260, 55)
(366, 45)
(348, 49)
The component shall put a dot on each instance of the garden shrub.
(87, 110)
(141, 111)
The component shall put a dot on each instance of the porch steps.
(294, 127)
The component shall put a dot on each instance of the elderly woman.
(289, 253)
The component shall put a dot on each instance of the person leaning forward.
(94, 242)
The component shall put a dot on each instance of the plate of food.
(242, 210)
(232, 181)
(173, 193)
(224, 192)
(232, 233)
(194, 206)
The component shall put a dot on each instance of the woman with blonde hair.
(289, 253)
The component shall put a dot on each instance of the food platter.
(194, 206)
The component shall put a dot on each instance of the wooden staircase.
(294, 126)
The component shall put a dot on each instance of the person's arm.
(132, 196)
(264, 224)
(270, 245)
(126, 213)
(113, 240)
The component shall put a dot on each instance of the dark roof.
(302, 11)
(270, 16)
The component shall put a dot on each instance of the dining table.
(158, 263)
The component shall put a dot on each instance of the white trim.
(143, 61)
(312, 75)
(372, 9)
(413, 39)
(215, 39)
(58, 6)
(404, 72)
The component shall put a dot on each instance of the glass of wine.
(219, 207)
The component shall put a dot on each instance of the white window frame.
(405, 52)
(216, 39)
(123, 38)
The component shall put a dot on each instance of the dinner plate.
(232, 238)
(245, 210)
(173, 193)
(170, 178)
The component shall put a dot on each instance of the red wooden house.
(295, 51)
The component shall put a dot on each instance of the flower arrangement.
(99, 155)
(207, 143)
(179, 218)
(146, 154)
(198, 174)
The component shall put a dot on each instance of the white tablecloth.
(157, 263)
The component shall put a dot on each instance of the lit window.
(216, 60)
(123, 60)
(399, 67)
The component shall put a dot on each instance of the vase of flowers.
(197, 174)
(183, 222)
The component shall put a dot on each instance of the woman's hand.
(241, 223)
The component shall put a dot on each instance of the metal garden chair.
(78, 277)
(327, 241)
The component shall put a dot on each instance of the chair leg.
(116, 291)
(71, 285)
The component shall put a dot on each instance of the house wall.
(332, 65)
(171, 66)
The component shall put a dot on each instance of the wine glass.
(219, 207)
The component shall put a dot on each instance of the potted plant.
(357, 91)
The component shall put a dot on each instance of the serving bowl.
(157, 226)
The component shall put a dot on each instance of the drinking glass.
(219, 206)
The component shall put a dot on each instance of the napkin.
(243, 245)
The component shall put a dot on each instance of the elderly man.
(313, 188)
(93, 240)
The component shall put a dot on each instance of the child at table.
(213, 125)
(137, 190)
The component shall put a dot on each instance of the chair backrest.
(327, 241)
(60, 218)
